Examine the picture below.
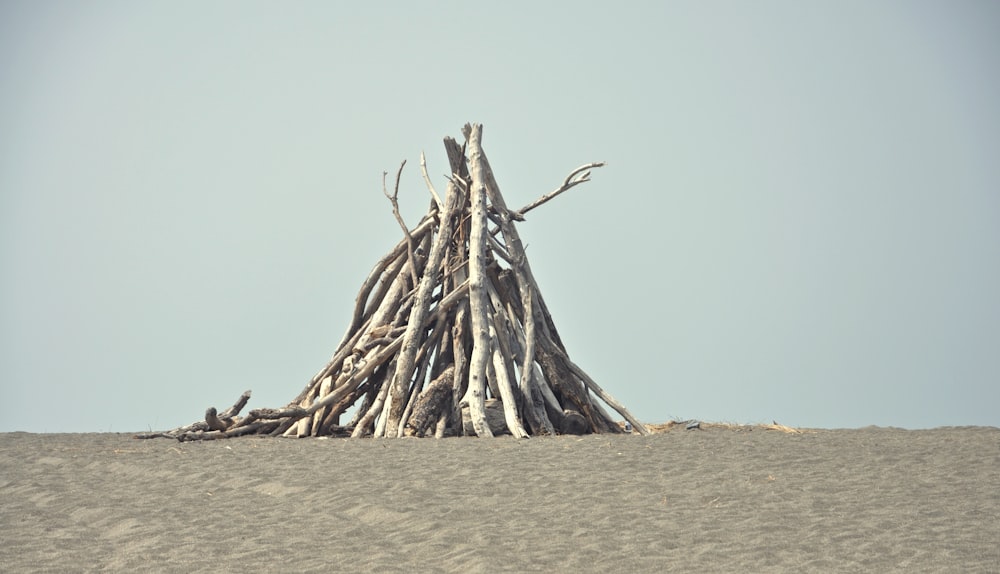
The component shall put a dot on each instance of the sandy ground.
(715, 500)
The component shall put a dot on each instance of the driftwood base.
(494, 418)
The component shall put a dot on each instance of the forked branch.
(394, 200)
(576, 177)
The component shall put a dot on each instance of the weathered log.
(202, 425)
(276, 414)
(572, 421)
(498, 370)
(216, 423)
(234, 410)
(259, 427)
(433, 401)
(493, 415)
(519, 263)
(460, 384)
(429, 346)
(478, 299)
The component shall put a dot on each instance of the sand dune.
(712, 500)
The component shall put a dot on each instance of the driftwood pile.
(449, 336)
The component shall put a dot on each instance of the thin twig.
(394, 200)
(573, 179)
(499, 249)
(430, 186)
(457, 180)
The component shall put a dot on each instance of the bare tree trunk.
(478, 298)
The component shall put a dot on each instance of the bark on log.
(494, 415)
(433, 401)
(572, 421)
(215, 422)
(478, 304)
(460, 384)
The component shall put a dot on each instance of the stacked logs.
(450, 334)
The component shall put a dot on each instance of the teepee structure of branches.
(450, 334)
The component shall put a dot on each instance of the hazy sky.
(799, 220)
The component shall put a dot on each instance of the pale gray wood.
(461, 381)
(455, 295)
(478, 296)
(405, 366)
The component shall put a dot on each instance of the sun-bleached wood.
(449, 335)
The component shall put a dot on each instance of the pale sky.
(799, 220)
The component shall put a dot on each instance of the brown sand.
(714, 500)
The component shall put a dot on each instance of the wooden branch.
(481, 348)
(430, 186)
(366, 391)
(544, 398)
(522, 275)
(227, 421)
(320, 415)
(385, 282)
(366, 401)
(256, 427)
(364, 424)
(394, 200)
(237, 406)
(383, 417)
(456, 158)
(421, 304)
(376, 326)
(500, 250)
(433, 401)
(461, 380)
(368, 366)
(214, 422)
(606, 397)
(499, 370)
(384, 274)
(532, 385)
(376, 274)
(570, 182)
(275, 414)
(416, 385)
